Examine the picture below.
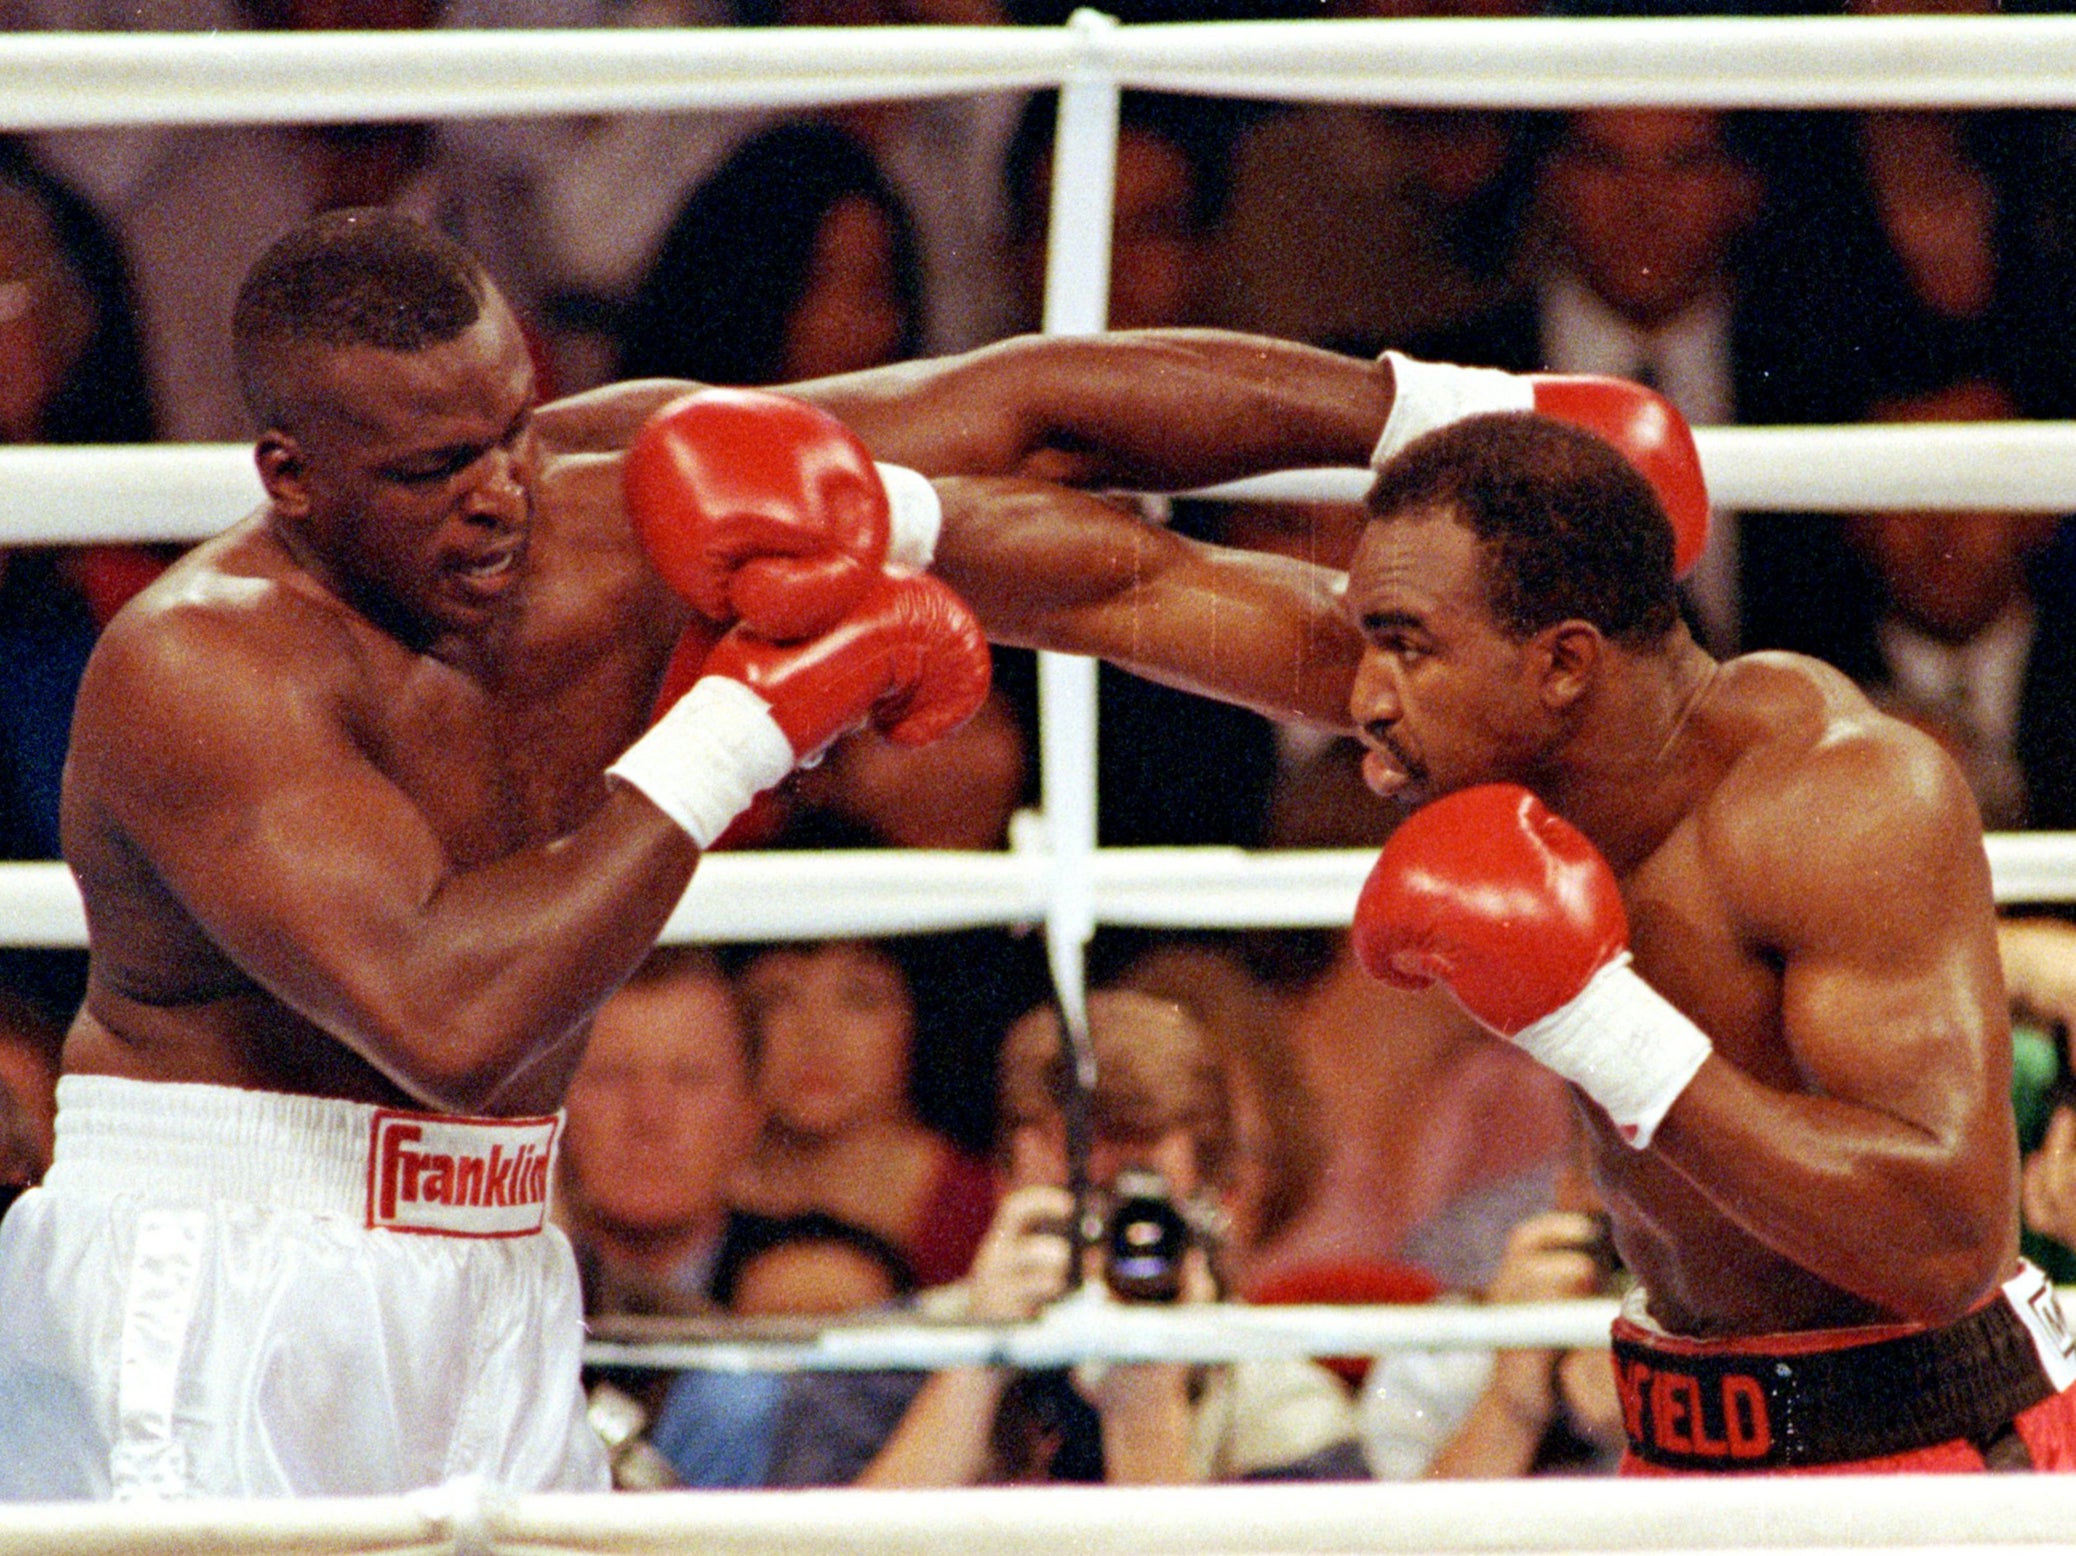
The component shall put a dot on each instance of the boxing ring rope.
(1053, 873)
(73, 80)
(1833, 1514)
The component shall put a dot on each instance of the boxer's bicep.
(257, 810)
(1158, 410)
(1877, 896)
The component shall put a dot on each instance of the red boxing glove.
(909, 659)
(1489, 891)
(1644, 426)
(757, 508)
(1512, 908)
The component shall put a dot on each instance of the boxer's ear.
(281, 468)
(1568, 658)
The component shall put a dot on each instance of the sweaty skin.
(1804, 877)
(336, 798)
(336, 806)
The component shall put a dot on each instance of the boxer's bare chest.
(506, 746)
(501, 758)
(1705, 1273)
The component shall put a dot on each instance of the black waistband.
(1736, 1410)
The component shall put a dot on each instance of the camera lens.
(1146, 1240)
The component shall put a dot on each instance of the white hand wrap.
(1623, 1044)
(704, 761)
(1427, 395)
(914, 516)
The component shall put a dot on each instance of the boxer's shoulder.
(1821, 790)
(239, 598)
(602, 420)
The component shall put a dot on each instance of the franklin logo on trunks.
(459, 1177)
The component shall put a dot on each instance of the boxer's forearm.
(1914, 1217)
(1159, 410)
(1048, 567)
(478, 1000)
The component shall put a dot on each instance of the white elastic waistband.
(179, 1143)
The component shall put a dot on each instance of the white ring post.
(1077, 302)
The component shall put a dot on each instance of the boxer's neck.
(1629, 773)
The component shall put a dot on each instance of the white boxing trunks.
(247, 1294)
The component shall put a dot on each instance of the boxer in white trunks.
(369, 814)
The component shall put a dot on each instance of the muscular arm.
(1885, 1162)
(1161, 410)
(1049, 567)
(226, 759)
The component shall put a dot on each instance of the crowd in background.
(801, 1130)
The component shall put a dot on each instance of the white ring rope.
(57, 496)
(1084, 1328)
(1948, 1514)
(808, 896)
(185, 492)
(70, 80)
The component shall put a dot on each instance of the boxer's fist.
(757, 508)
(1644, 426)
(909, 658)
(1514, 910)
(1490, 892)
(1651, 433)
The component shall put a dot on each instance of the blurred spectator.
(71, 371)
(945, 156)
(1899, 239)
(1278, 1148)
(1438, 1138)
(201, 201)
(1645, 209)
(1170, 198)
(807, 1266)
(714, 1429)
(30, 1041)
(1954, 626)
(795, 260)
(2039, 957)
(661, 1114)
(583, 203)
(1162, 1116)
(2043, 1094)
(1485, 1415)
(1358, 227)
(834, 1030)
(1277, 1151)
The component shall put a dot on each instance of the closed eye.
(441, 465)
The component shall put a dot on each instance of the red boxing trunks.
(1995, 1390)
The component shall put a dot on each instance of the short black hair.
(353, 277)
(750, 1235)
(1568, 528)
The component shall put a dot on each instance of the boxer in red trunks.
(1744, 914)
